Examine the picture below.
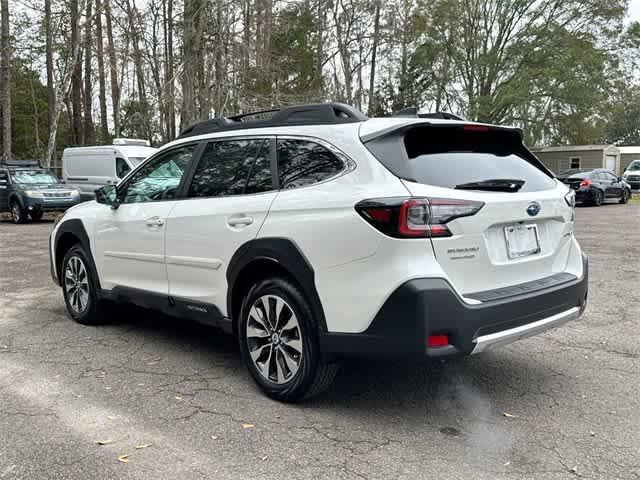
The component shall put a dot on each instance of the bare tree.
(5, 81)
(51, 92)
(88, 85)
(76, 79)
(113, 69)
(104, 127)
(374, 52)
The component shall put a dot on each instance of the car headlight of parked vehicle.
(33, 194)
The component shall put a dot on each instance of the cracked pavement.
(179, 391)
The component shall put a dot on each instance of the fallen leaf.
(104, 442)
(213, 437)
(178, 398)
(144, 445)
(263, 458)
(507, 464)
(508, 415)
(141, 384)
(248, 425)
(593, 434)
(123, 458)
(574, 469)
(112, 417)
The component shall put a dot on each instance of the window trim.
(124, 183)
(571, 159)
(203, 145)
(348, 165)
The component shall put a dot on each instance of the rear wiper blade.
(493, 185)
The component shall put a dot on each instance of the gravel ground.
(175, 398)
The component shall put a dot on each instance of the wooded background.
(79, 72)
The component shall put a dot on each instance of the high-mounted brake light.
(585, 183)
(415, 217)
(475, 128)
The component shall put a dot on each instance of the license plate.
(522, 240)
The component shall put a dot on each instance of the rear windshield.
(451, 157)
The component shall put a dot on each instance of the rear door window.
(233, 167)
(451, 157)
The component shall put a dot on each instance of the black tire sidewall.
(91, 314)
(36, 216)
(598, 199)
(296, 388)
(21, 212)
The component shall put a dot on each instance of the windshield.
(635, 166)
(33, 176)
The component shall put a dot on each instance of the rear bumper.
(424, 307)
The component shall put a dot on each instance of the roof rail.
(311, 114)
(412, 112)
(21, 163)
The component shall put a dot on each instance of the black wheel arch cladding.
(287, 256)
(72, 232)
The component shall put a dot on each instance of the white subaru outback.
(319, 233)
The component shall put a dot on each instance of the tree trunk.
(104, 127)
(88, 86)
(51, 92)
(191, 58)
(113, 69)
(168, 65)
(76, 79)
(374, 52)
(64, 88)
(5, 82)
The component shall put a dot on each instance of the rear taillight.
(415, 217)
(585, 183)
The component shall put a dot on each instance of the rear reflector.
(437, 341)
(585, 183)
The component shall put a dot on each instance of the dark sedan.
(594, 187)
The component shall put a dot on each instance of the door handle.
(154, 222)
(241, 220)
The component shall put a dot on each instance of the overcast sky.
(634, 10)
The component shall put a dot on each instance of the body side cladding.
(204, 313)
(287, 256)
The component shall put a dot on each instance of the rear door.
(227, 202)
(613, 186)
(521, 233)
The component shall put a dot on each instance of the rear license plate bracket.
(522, 240)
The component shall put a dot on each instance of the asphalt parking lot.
(172, 400)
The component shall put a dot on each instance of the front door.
(130, 240)
(4, 191)
(228, 200)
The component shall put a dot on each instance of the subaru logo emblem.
(533, 209)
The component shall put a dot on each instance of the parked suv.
(632, 175)
(27, 191)
(320, 233)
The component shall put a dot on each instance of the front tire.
(278, 337)
(625, 196)
(36, 215)
(80, 287)
(18, 214)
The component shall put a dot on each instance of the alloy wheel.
(16, 214)
(76, 284)
(274, 339)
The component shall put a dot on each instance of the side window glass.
(301, 162)
(159, 179)
(122, 168)
(233, 167)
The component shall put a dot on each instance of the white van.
(90, 168)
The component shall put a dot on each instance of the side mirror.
(108, 195)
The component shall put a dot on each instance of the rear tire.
(598, 198)
(18, 214)
(80, 288)
(279, 342)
